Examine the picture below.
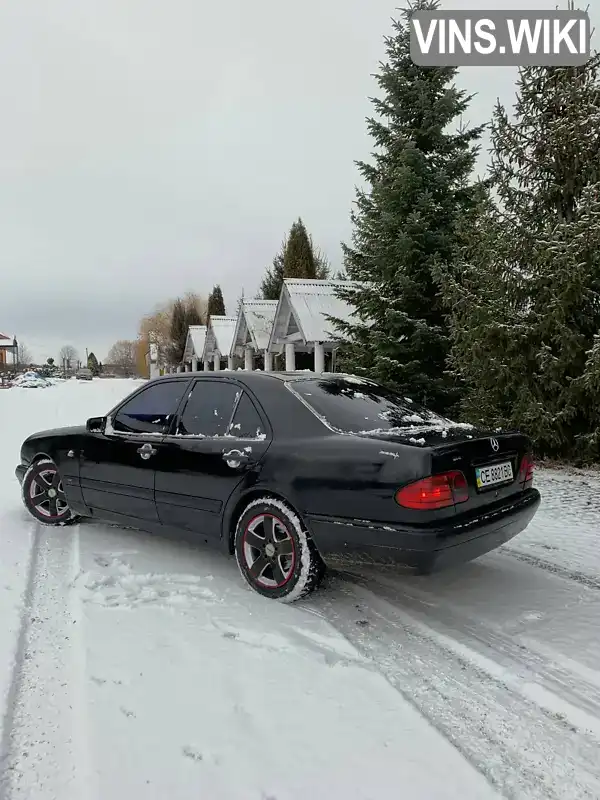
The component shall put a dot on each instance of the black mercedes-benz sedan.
(288, 471)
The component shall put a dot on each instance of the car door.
(117, 466)
(216, 444)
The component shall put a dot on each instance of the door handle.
(235, 458)
(146, 450)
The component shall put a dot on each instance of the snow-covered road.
(132, 666)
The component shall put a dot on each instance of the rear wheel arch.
(243, 503)
(41, 457)
(275, 552)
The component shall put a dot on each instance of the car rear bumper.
(20, 472)
(343, 542)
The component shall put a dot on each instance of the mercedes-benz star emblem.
(495, 445)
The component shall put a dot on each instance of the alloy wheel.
(269, 551)
(47, 495)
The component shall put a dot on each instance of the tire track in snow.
(572, 575)
(46, 737)
(14, 690)
(522, 749)
(519, 652)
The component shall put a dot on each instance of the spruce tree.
(299, 258)
(322, 263)
(270, 287)
(406, 224)
(216, 304)
(92, 365)
(530, 346)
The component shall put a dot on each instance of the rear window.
(355, 406)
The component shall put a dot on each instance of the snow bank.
(23, 413)
(31, 380)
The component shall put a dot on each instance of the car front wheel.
(44, 496)
(274, 552)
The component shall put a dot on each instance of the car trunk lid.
(490, 461)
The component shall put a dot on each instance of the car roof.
(250, 376)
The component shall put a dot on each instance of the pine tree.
(92, 365)
(530, 345)
(406, 224)
(216, 305)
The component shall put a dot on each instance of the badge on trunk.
(495, 445)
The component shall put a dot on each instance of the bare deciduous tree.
(156, 326)
(123, 356)
(24, 356)
(69, 353)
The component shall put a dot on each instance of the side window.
(246, 423)
(152, 410)
(208, 409)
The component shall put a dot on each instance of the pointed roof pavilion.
(253, 327)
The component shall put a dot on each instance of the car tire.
(43, 494)
(274, 552)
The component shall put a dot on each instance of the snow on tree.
(533, 280)
(406, 224)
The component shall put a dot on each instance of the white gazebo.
(302, 321)
(194, 347)
(219, 339)
(253, 331)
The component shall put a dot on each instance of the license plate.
(494, 474)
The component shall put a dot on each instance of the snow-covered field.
(135, 667)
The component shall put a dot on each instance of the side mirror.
(95, 425)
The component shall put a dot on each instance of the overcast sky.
(152, 147)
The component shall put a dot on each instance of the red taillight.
(526, 471)
(436, 491)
